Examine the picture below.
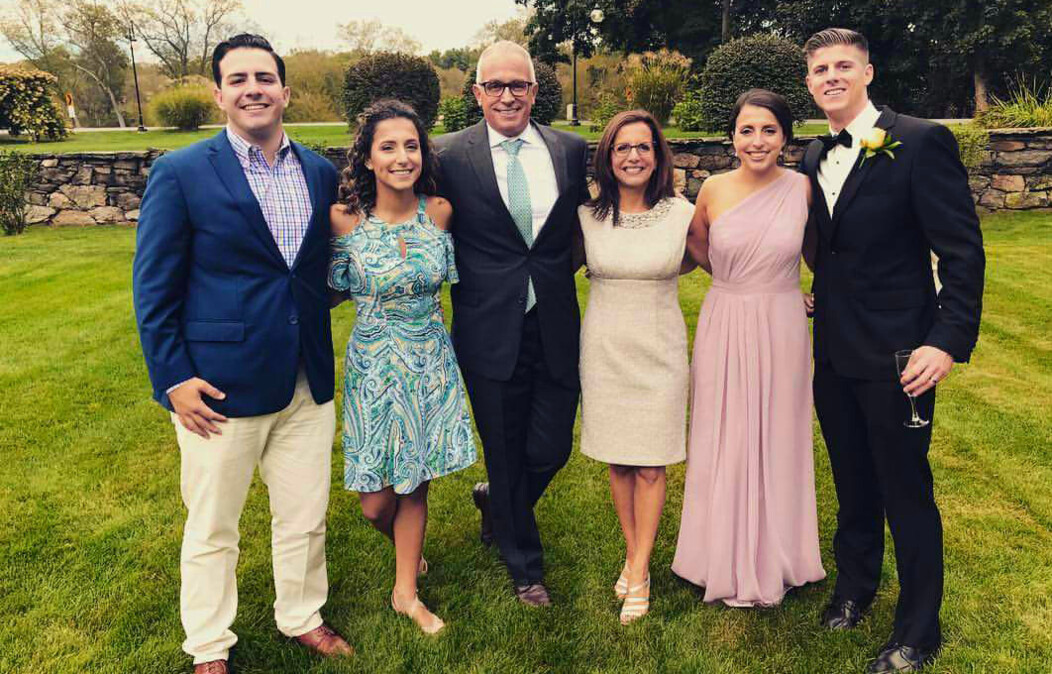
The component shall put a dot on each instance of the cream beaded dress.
(634, 371)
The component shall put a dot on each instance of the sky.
(291, 24)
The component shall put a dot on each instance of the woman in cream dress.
(634, 372)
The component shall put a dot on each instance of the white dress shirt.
(838, 162)
(536, 164)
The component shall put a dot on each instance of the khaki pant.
(293, 449)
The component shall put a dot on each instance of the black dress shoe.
(480, 495)
(842, 614)
(534, 594)
(901, 658)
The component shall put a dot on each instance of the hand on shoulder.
(440, 211)
(343, 221)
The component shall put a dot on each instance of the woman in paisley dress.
(405, 414)
(634, 373)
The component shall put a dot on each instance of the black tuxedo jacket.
(873, 286)
(493, 260)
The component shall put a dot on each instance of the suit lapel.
(312, 176)
(482, 163)
(557, 152)
(230, 173)
(858, 174)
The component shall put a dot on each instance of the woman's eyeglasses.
(643, 149)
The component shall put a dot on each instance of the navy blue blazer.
(215, 299)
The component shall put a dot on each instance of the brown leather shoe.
(534, 594)
(325, 641)
(213, 667)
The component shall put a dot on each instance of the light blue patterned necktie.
(519, 204)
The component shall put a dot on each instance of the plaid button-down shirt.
(281, 191)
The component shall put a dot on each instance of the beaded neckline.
(646, 218)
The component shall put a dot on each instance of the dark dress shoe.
(534, 594)
(480, 495)
(842, 614)
(900, 658)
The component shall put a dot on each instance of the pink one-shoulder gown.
(749, 529)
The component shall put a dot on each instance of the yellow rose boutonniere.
(878, 141)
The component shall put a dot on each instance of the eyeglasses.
(495, 88)
(644, 149)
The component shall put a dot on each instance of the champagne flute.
(902, 359)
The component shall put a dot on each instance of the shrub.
(1027, 105)
(408, 78)
(760, 61)
(606, 106)
(974, 142)
(454, 116)
(545, 109)
(17, 172)
(310, 106)
(185, 107)
(27, 106)
(656, 81)
(687, 113)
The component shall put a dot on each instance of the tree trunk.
(982, 102)
(109, 92)
(726, 27)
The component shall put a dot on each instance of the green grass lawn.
(91, 517)
(328, 136)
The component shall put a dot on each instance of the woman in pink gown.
(749, 529)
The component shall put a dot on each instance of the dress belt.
(774, 288)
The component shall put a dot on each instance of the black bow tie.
(830, 141)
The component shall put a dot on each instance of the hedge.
(27, 104)
(407, 78)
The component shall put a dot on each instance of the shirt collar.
(246, 150)
(529, 136)
(862, 124)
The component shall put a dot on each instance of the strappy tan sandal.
(413, 610)
(635, 608)
(421, 568)
(621, 586)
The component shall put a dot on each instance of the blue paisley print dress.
(405, 417)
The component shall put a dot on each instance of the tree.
(690, 27)
(512, 30)
(182, 33)
(461, 58)
(33, 30)
(367, 37)
(92, 30)
(77, 43)
(935, 57)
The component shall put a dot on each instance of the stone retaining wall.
(106, 187)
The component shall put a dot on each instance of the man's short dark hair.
(832, 37)
(244, 41)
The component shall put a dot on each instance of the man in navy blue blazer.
(233, 313)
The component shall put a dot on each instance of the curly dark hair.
(357, 183)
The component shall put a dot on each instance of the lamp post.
(596, 16)
(135, 77)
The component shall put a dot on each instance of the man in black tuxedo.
(515, 187)
(878, 217)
